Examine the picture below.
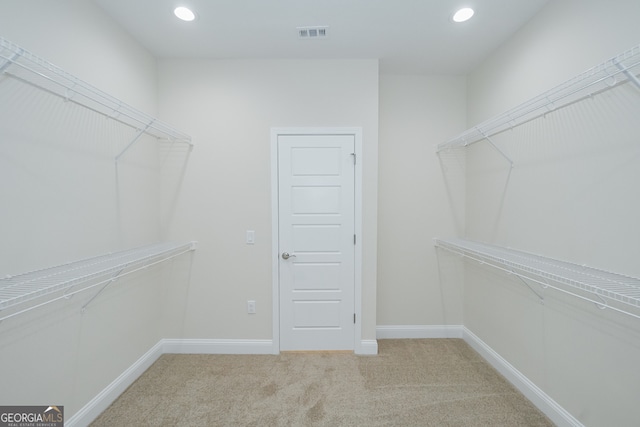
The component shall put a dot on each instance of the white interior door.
(316, 241)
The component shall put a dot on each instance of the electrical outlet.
(251, 307)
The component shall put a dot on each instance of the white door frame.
(275, 250)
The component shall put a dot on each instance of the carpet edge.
(556, 413)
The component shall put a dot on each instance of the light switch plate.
(251, 237)
(251, 307)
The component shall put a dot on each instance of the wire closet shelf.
(607, 290)
(20, 64)
(24, 292)
(611, 73)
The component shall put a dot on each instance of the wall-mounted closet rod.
(112, 114)
(543, 270)
(509, 271)
(601, 303)
(593, 81)
(18, 291)
(71, 100)
(104, 282)
(67, 86)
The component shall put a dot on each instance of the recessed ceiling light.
(184, 13)
(463, 14)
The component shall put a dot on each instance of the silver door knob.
(285, 255)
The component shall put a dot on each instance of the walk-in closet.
(320, 213)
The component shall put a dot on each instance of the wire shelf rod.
(53, 274)
(543, 270)
(589, 279)
(115, 114)
(595, 80)
(190, 248)
(599, 303)
(89, 271)
(73, 101)
(16, 291)
(67, 83)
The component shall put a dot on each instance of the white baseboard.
(106, 397)
(418, 331)
(539, 398)
(367, 348)
(205, 346)
(213, 346)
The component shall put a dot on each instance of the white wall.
(61, 202)
(566, 38)
(77, 36)
(572, 195)
(229, 108)
(64, 177)
(421, 196)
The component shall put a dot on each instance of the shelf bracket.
(628, 73)
(110, 281)
(540, 297)
(603, 304)
(69, 92)
(485, 136)
(10, 61)
(133, 141)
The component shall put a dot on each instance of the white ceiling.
(408, 36)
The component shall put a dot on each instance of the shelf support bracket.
(485, 136)
(603, 305)
(110, 281)
(540, 297)
(133, 141)
(628, 73)
(10, 61)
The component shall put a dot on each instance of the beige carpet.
(434, 382)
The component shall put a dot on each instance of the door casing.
(275, 264)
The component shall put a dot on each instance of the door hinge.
(354, 158)
(354, 318)
(354, 239)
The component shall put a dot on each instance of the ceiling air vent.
(312, 32)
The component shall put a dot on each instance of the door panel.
(316, 161)
(316, 238)
(314, 314)
(324, 276)
(316, 227)
(316, 200)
